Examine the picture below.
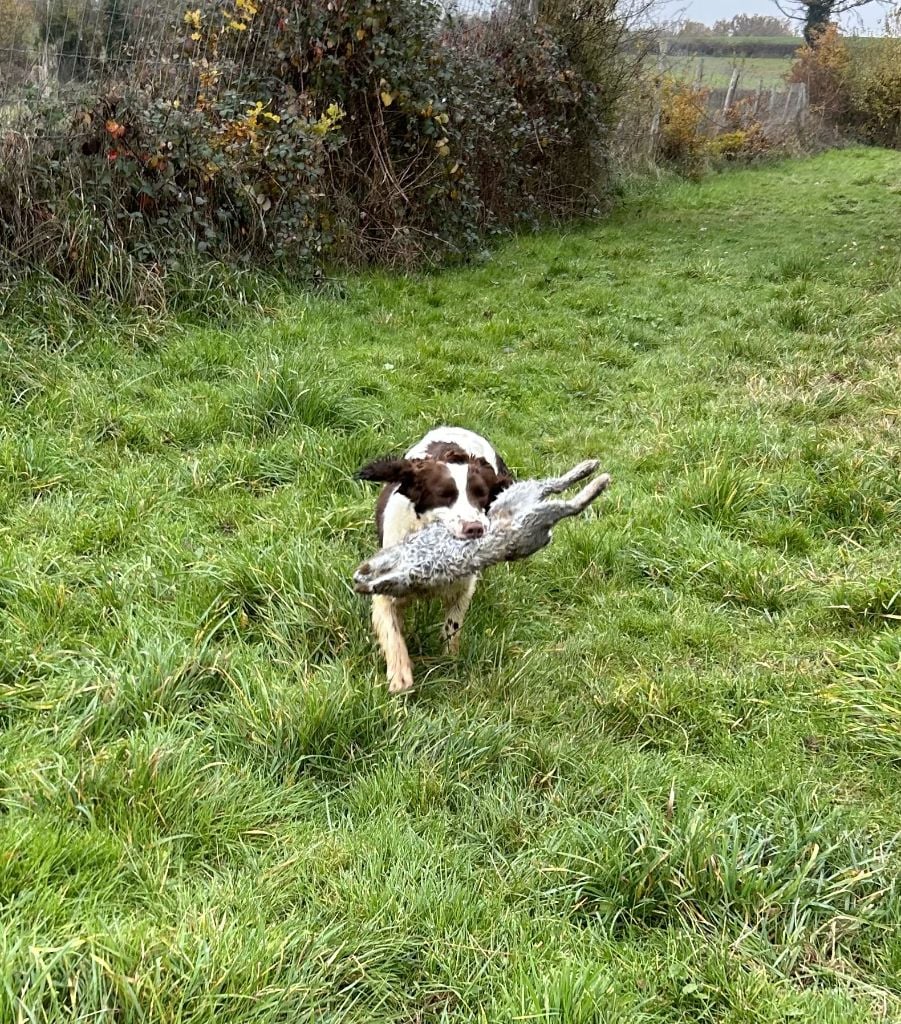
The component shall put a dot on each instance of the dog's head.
(456, 492)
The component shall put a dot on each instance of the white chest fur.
(400, 519)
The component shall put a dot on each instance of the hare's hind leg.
(559, 484)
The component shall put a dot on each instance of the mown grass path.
(661, 782)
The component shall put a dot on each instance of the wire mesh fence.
(48, 45)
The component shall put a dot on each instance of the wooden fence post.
(655, 127)
(803, 103)
(730, 92)
(699, 73)
(789, 97)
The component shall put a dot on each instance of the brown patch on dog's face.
(483, 484)
(428, 484)
(431, 486)
(447, 451)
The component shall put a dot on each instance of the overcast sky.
(870, 17)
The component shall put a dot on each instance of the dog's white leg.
(456, 602)
(387, 622)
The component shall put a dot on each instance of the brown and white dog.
(451, 476)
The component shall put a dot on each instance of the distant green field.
(716, 72)
(758, 59)
(748, 45)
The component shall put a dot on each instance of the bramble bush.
(294, 134)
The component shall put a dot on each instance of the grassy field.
(716, 72)
(660, 784)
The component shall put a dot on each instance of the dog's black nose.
(473, 530)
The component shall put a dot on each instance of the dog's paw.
(451, 635)
(401, 682)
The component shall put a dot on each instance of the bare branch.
(793, 15)
(817, 14)
(797, 9)
(850, 5)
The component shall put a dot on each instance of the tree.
(817, 14)
(753, 25)
(692, 29)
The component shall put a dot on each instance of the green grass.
(716, 69)
(660, 784)
(716, 72)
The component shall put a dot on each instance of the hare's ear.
(387, 471)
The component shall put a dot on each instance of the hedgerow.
(294, 134)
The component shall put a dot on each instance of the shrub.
(823, 67)
(683, 117)
(857, 90)
(740, 143)
(298, 133)
(690, 137)
(875, 86)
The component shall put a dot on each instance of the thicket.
(856, 89)
(294, 134)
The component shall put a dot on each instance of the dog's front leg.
(456, 602)
(387, 621)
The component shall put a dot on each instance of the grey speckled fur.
(520, 523)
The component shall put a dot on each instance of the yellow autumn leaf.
(193, 18)
(238, 26)
(195, 36)
(361, 34)
(387, 98)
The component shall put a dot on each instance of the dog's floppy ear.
(387, 471)
(502, 481)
